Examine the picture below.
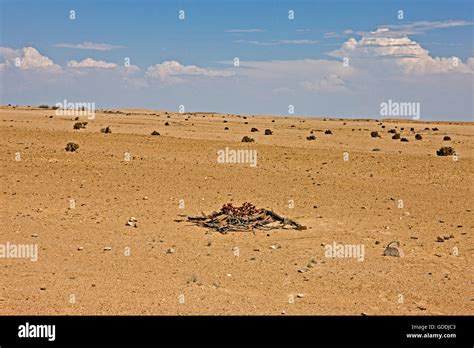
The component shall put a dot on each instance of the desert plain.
(346, 188)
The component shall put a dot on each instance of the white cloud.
(421, 27)
(330, 83)
(89, 46)
(91, 63)
(172, 70)
(26, 58)
(396, 51)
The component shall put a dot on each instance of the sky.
(339, 58)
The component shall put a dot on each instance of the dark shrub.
(328, 131)
(396, 136)
(254, 129)
(43, 107)
(418, 136)
(392, 131)
(311, 137)
(268, 132)
(374, 134)
(435, 129)
(71, 147)
(247, 139)
(106, 130)
(446, 138)
(155, 133)
(445, 151)
(404, 140)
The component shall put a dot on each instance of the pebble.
(107, 248)
(300, 295)
(440, 239)
(393, 249)
(34, 235)
(80, 248)
(132, 222)
(170, 251)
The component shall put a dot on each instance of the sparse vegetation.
(404, 140)
(392, 131)
(167, 123)
(155, 133)
(80, 125)
(106, 130)
(247, 139)
(328, 131)
(311, 137)
(268, 132)
(446, 138)
(418, 136)
(445, 151)
(435, 129)
(72, 147)
(254, 129)
(375, 134)
(43, 106)
(396, 136)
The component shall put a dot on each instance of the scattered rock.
(393, 249)
(132, 222)
(107, 248)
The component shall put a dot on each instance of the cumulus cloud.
(91, 63)
(89, 46)
(399, 51)
(172, 70)
(27, 58)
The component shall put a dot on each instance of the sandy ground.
(347, 202)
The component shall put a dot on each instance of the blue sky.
(282, 61)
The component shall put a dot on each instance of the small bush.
(71, 147)
(435, 129)
(311, 137)
(247, 139)
(328, 131)
(155, 133)
(404, 140)
(396, 136)
(268, 132)
(167, 123)
(76, 118)
(418, 136)
(412, 129)
(392, 131)
(226, 128)
(374, 134)
(106, 130)
(43, 107)
(254, 129)
(446, 138)
(445, 151)
(79, 125)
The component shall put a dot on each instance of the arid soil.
(338, 185)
